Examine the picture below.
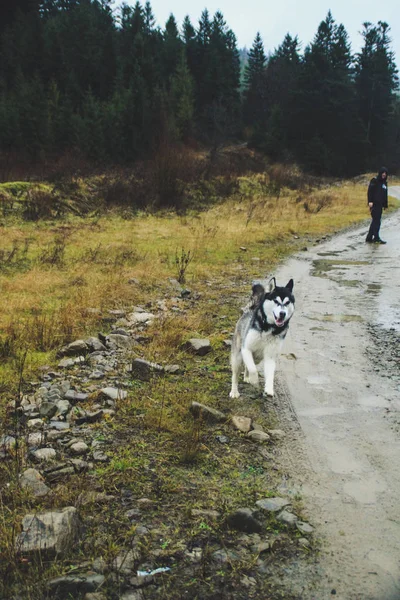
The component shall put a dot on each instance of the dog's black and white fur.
(259, 334)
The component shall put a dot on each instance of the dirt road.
(339, 394)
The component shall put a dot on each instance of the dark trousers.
(373, 233)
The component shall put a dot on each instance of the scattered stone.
(222, 439)
(100, 457)
(287, 518)
(257, 427)
(117, 341)
(224, 557)
(90, 417)
(198, 346)
(95, 345)
(35, 424)
(258, 436)
(7, 442)
(51, 533)
(74, 349)
(66, 363)
(242, 423)
(137, 318)
(59, 474)
(63, 407)
(114, 393)
(79, 448)
(208, 514)
(143, 369)
(74, 397)
(73, 586)
(207, 413)
(59, 425)
(272, 504)
(33, 481)
(244, 520)
(304, 527)
(195, 556)
(43, 455)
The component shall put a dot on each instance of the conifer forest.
(102, 82)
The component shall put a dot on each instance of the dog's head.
(276, 302)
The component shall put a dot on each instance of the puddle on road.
(373, 288)
(336, 318)
(322, 266)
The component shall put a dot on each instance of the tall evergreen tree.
(255, 95)
(376, 82)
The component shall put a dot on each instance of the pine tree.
(376, 82)
(255, 95)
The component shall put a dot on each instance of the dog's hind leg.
(236, 364)
(250, 367)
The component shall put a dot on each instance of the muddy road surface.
(339, 395)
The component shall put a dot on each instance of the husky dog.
(259, 334)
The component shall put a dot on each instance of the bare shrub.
(315, 203)
(54, 253)
(182, 262)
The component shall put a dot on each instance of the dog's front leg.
(252, 374)
(269, 374)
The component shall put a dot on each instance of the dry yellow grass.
(68, 269)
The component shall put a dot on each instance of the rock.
(242, 423)
(304, 527)
(244, 520)
(100, 457)
(35, 439)
(173, 369)
(224, 557)
(287, 518)
(43, 454)
(66, 363)
(143, 369)
(137, 318)
(63, 407)
(198, 346)
(90, 417)
(50, 533)
(73, 586)
(74, 349)
(276, 434)
(257, 427)
(33, 481)
(95, 345)
(79, 448)
(258, 436)
(116, 341)
(272, 504)
(207, 413)
(7, 443)
(47, 410)
(35, 424)
(208, 514)
(59, 425)
(195, 556)
(114, 393)
(59, 474)
(74, 397)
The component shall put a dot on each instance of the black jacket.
(378, 190)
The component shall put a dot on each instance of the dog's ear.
(290, 285)
(271, 285)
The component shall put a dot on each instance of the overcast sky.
(274, 18)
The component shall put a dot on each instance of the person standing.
(377, 201)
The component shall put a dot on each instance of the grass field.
(59, 278)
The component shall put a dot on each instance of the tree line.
(77, 76)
